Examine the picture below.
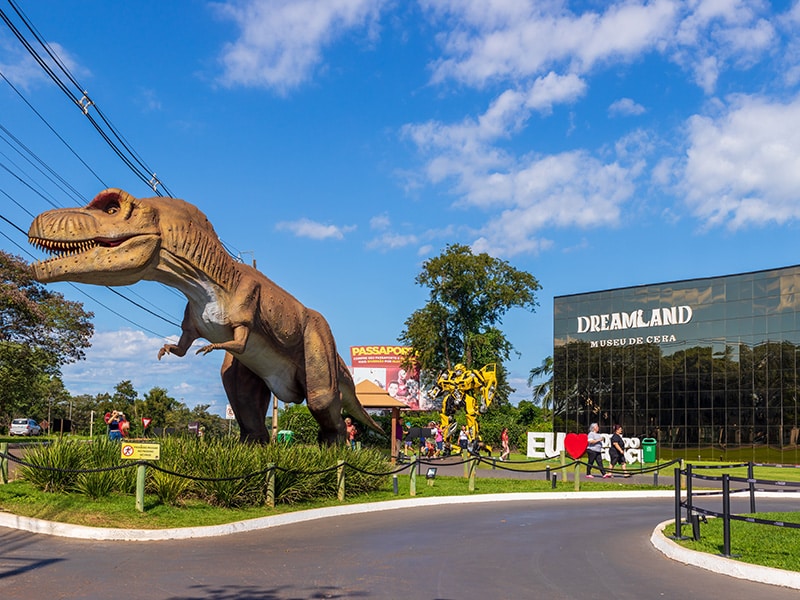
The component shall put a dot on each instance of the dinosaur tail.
(350, 402)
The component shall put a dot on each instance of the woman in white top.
(594, 451)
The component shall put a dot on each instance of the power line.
(40, 165)
(120, 147)
(28, 185)
(144, 308)
(121, 316)
(52, 130)
(29, 213)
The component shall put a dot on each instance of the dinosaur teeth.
(63, 248)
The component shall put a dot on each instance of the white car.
(24, 427)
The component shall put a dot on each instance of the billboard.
(383, 366)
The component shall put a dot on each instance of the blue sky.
(341, 143)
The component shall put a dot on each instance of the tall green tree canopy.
(40, 331)
(160, 407)
(469, 295)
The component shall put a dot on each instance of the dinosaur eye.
(107, 203)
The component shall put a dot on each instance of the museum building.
(708, 367)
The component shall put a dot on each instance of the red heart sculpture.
(575, 444)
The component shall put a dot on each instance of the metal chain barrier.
(510, 466)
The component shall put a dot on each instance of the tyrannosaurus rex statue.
(273, 344)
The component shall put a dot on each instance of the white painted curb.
(720, 564)
(151, 535)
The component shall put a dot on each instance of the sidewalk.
(453, 466)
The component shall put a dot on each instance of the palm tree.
(542, 391)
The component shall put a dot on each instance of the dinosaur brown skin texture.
(273, 344)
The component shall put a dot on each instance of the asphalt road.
(500, 550)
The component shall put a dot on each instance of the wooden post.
(464, 457)
(395, 447)
(577, 477)
(412, 485)
(473, 467)
(4, 463)
(340, 476)
(274, 418)
(271, 485)
(141, 472)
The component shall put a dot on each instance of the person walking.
(617, 450)
(594, 452)
(504, 443)
(352, 432)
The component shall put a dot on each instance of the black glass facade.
(708, 367)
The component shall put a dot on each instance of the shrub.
(55, 465)
(298, 419)
(179, 456)
(227, 463)
(221, 472)
(102, 454)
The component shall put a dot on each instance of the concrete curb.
(151, 535)
(720, 564)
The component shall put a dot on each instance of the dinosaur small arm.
(273, 344)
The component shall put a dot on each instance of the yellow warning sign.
(141, 450)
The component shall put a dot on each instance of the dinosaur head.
(114, 240)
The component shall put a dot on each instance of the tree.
(125, 396)
(40, 331)
(214, 424)
(159, 407)
(542, 391)
(469, 295)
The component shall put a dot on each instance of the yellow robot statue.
(471, 389)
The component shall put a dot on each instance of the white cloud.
(714, 33)
(534, 192)
(572, 189)
(517, 40)
(743, 166)
(312, 229)
(513, 41)
(466, 146)
(281, 41)
(21, 69)
(391, 240)
(380, 222)
(625, 107)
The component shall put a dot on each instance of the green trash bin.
(649, 450)
(286, 436)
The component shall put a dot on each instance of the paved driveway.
(500, 550)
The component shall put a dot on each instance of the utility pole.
(251, 252)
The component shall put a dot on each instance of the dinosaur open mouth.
(62, 249)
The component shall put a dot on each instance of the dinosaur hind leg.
(322, 384)
(249, 397)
